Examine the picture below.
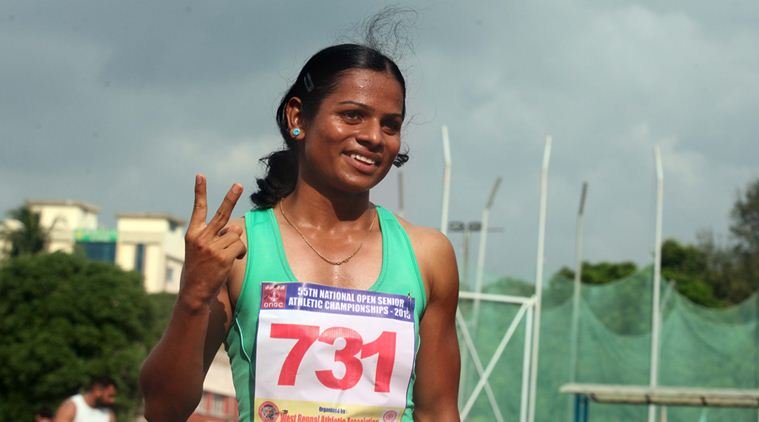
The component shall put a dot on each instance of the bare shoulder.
(435, 255)
(66, 411)
(427, 238)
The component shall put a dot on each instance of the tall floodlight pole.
(467, 229)
(401, 208)
(446, 181)
(444, 230)
(539, 278)
(481, 254)
(655, 310)
(574, 334)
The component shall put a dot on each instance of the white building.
(151, 244)
(63, 219)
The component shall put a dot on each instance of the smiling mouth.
(362, 159)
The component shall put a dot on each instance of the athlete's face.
(104, 396)
(351, 142)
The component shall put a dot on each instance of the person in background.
(91, 406)
(43, 414)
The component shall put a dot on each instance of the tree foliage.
(602, 272)
(64, 319)
(688, 267)
(745, 231)
(28, 239)
(745, 220)
(163, 305)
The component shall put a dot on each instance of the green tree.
(162, 305)
(745, 230)
(745, 219)
(688, 267)
(30, 237)
(63, 319)
(732, 266)
(602, 272)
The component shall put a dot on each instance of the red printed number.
(306, 335)
(384, 347)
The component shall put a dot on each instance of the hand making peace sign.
(210, 249)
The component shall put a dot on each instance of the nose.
(371, 134)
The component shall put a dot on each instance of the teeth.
(362, 159)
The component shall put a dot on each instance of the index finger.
(222, 215)
(199, 208)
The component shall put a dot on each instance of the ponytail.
(281, 175)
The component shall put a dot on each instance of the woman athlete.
(330, 307)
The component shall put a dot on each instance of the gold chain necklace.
(324, 258)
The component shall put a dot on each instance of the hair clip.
(308, 82)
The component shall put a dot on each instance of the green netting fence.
(700, 347)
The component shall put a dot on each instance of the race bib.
(328, 354)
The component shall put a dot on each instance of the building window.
(169, 275)
(98, 251)
(139, 258)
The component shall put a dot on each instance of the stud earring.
(295, 131)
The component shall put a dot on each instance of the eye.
(392, 126)
(351, 116)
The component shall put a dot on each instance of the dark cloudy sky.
(120, 103)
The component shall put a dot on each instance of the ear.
(295, 119)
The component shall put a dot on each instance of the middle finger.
(222, 215)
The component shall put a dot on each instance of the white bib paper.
(327, 354)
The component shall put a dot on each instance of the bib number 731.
(351, 355)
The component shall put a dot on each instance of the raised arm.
(172, 375)
(438, 362)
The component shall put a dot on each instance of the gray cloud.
(119, 104)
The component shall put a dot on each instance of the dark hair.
(318, 78)
(44, 412)
(102, 381)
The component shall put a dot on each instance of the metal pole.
(577, 282)
(539, 278)
(481, 254)
(444, 229)
(523, 404)
(575, 329)
(494, 360)
(655, 307)
(465, 265)
(401, 207)
(469, 345)
(446, 181)
(464, 382)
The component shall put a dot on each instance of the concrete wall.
(62, 218)
(163, 240)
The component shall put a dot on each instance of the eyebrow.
(362, 105)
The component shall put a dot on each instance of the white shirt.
(85, 413)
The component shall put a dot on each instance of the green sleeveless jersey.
(266, 262)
